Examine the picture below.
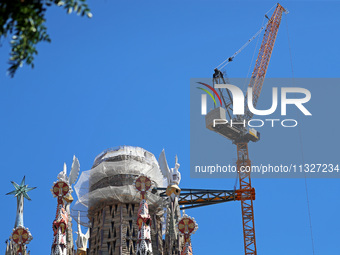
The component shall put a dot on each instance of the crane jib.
(263, 58)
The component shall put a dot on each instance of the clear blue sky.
(122, 78)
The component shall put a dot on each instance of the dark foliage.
(24, 21)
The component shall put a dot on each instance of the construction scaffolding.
(108, 201)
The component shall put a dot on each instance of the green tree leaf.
(24, 20)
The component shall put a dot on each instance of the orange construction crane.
(241, 135)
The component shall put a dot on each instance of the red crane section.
(262, 61)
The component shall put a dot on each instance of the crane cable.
(251, 62)
(228, 60)
(301, 146)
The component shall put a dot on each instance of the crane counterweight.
(233, 130)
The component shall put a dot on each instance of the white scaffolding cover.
(115, 164)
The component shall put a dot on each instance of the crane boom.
(262, 61)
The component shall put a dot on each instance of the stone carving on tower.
(21, 236)
(144, 245)
(187, 226)
(173, 242)
(62, 226)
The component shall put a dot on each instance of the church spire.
(187, 226)
(20, 235)
(144, 245)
